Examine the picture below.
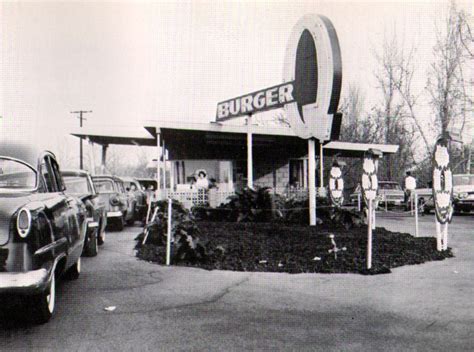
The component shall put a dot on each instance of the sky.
(135, 61)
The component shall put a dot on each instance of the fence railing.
(190, 198)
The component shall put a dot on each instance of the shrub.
(186, 247)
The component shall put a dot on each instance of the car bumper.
(114, 214)
(30, 282)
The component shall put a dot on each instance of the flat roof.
(190, 140)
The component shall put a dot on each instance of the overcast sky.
(134, 61)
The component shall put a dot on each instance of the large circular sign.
(313, 63)
(369, 178)
(336, 185)
(442, 182)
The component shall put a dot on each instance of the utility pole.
(81, 118)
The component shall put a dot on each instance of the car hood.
(9, 204)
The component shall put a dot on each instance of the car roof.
(128, 179)
(25, 152)
(98, 177)
(74, 172)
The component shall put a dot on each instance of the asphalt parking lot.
(426, 307)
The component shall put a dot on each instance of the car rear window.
(103, 186)
(77, 185)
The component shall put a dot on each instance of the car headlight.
(23, 222)
(114, 201)
(462, 195)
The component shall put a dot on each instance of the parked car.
(389, 193)
(112, 192)
(140, 197)
(425, 199)
(463, 192)
(79, 184)
(42, 229)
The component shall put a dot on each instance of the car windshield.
(389, 186)
(104, 186)
(77, 184)
(463, 180)
(16, 175)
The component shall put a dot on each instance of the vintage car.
(140, 197)
(117, 202)
(390, 195)
(42, 229)
(463, 192)
(425, 199)
(79, 184)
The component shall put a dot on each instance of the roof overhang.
(189, 140)
(121, 136)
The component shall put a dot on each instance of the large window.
(16, 175)
(298, 172)
(77, 185)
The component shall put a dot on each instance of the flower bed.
(277, 247)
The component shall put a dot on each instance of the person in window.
(202, 183)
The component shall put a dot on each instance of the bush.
(186, 247)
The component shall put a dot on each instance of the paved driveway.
(426, 307)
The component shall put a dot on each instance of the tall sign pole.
(310, 93)
(81, 118)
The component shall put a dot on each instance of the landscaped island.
(282, 247)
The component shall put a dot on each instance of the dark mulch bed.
(276, 247)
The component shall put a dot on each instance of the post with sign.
(442, 191)
(310, 93)
(336, 185)
(369, 192)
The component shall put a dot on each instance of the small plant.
(186, 247)
(249, 205)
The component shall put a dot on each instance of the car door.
(54, 202)
(75, 212)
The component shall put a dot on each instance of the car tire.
(101, 239)
(92, 246)
(44, 303)
(120, 224)
(74, 271)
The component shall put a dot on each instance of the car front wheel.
(45, 303)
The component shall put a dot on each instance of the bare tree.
(446, 83)
(394, 126)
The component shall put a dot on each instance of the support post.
(249, 153)
(369, 239)
(321, 165)
(439, 245)
(104, 158)
(163, 153)
(168, 237)
(312, 181)
(158, 167)
(91, 157)
(416, 215)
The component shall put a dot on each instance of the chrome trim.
(50, 246)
